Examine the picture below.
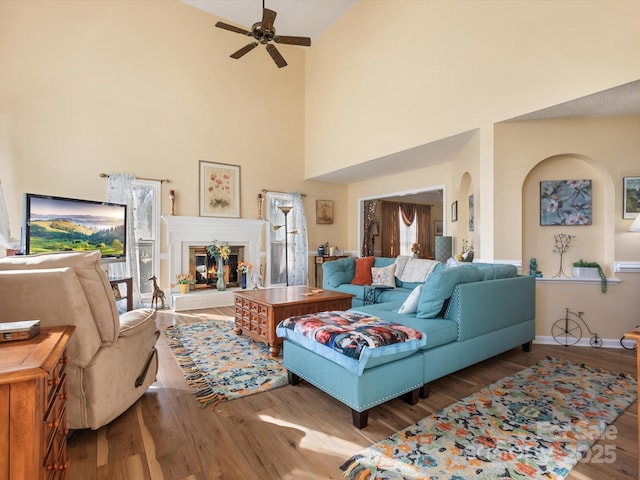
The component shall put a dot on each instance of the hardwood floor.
(297, 432)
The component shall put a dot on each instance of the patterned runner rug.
(537, 423)
(221, 365)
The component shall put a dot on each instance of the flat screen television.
(58, 224)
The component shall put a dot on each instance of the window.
(408, 236)
(275, 239)
(146, 216)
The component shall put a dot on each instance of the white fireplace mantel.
(184, 232)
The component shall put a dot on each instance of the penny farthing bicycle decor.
(568, 330)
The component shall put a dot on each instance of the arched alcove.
(592, 242)
(461, 227)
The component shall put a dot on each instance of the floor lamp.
(285, 210)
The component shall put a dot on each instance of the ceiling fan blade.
(244, 50)
(302, 41)
(231, 28)
(268, 17)
(275, 54)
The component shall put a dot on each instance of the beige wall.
(392, 75)
(601, 149)
(147, 88)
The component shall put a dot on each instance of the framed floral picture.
(219, 190)
(631, 202)
(565, 202)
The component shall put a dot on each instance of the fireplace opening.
(204, 268)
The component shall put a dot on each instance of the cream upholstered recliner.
(112, 358)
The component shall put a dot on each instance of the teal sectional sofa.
(467, 314)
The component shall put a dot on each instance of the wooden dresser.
(33, 395)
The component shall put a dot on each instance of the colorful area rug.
(537, 423)
(221, 365)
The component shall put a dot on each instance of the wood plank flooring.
(297, 432)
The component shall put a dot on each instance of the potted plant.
(184, 280)
(590, 270)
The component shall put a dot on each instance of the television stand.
(128, 281)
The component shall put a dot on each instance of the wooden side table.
(128, 281)
(33, 396)
(635, 335)
(319, 260)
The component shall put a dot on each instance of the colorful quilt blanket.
(355, 335)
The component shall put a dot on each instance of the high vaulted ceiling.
(307, 18)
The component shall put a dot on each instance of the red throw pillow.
(363, 271)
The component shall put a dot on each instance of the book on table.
(22, 330)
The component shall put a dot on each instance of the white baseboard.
(583, 342)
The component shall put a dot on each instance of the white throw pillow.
(384, 275)
(410, 305)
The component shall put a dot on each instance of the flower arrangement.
(244, 267)
(467, 252)
(217, 249)
(185, 279)
(415, 248)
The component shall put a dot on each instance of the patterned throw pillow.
(384, 275)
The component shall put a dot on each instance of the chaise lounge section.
(466, 313)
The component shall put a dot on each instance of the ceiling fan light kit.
(264, 33)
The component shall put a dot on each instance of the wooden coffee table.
(258, 312)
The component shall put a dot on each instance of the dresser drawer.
(55, 378)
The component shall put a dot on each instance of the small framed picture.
(472, 218)
(324, 211)
(219, 190)
(454, 211)
(437, 228)
(631, 197)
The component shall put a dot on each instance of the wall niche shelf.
(610, 281)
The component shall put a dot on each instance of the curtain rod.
(264, 190)
(164, 180)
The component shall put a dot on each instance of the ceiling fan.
(264, 33)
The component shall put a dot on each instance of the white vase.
(586, 273)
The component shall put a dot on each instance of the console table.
(258, 312)
(128, 281)
(33, 394)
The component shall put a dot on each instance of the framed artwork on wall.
(437, 228)
(472, 222)
(219, 190)
(454, 211)
(324, 212)
(631, 197)
(565, 202)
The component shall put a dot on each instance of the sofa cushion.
(410, 305)
(438, 331)
(363, 271)
(417, 270)
(493, 271)
(384, 275)
(338, 272)
(439, 287)
(93, 280)
(353, 340)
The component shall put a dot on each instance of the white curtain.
(299, 260)
(5, 232)
(121, 190)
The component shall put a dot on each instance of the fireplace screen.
(204, 268)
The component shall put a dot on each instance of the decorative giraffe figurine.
(157, 293)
